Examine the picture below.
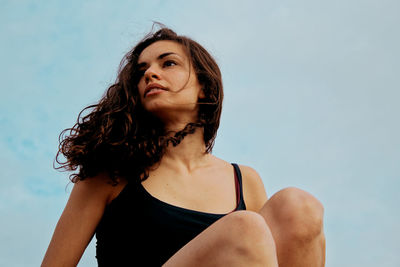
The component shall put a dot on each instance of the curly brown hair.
(119, 137)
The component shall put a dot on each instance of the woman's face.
(168, 85)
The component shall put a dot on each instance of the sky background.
(312, 92)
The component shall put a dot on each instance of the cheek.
(141, 86)
(176, 78)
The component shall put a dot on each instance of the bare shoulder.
(254, 192)
(99, 187)
(79, 220)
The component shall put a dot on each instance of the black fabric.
(138, 229)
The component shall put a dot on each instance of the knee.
(299, 213)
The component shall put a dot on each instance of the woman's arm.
(254, 193)
(78, 221)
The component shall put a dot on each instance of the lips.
(153, 86)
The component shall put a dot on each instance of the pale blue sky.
(312, 94)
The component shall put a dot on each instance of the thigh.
(236, 239)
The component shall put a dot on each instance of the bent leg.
(296, 221)
(240, 238)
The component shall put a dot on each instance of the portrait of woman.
(148, 188)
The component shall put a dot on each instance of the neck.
(188, 155)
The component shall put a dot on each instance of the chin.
(156, 106)
(159, 110)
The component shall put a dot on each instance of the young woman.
(150, 190)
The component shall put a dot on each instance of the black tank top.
(138, 229)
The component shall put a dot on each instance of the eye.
(169, 63)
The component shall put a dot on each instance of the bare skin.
(302, 246)
(284, 230)
(296, 221)
(240, 238)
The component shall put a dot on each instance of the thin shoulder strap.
(238, 182)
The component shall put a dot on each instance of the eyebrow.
(163, 55)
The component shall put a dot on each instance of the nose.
(151, 74)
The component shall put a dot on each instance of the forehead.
(155, 49)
